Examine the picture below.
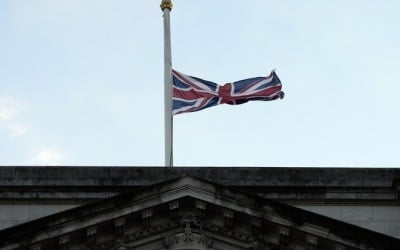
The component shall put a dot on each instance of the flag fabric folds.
(192, 94)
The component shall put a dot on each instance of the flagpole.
(166, 7)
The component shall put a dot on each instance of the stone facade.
(158, 208)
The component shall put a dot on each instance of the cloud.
(17, 129)
(9, 122)
(48, 156)
(8, 109)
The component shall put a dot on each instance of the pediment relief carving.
(127, 241)
(185, 234)
(188, 218)
(189, 236)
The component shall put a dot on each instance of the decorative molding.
(147, 213)
(228, 218)
(173, 205)
(36, 247)
(239, 236)
(91, 231)
(119, 226)
(198, 223)
(119, 222)
(188, 240)
(256, 222)
(63, 240)
(124, 242)
(200, 205)
(91, 237)
(284, 233)
(312, 240)
(116, 244)
(228, 213)
(339, 247)
(189, 237)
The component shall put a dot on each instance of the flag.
(192, 94)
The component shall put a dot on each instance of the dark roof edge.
(231, 176)
(341, 228)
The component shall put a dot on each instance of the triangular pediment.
(190, 213)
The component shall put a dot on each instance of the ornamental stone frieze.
(189, 237)
(190, 214)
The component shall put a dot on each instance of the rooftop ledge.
(231, 176)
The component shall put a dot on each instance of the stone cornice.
(234, 176)
(291, 185)
(207, 200)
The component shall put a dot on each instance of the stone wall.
(14, 214)
(365, 197)
(383, 219)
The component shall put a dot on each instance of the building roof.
(223, 214)
(318, 185)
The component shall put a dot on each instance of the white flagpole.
(166, 7)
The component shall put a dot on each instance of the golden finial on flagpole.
(166, 4)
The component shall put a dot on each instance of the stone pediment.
(190, 213)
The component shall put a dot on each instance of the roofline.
(251, 201)
(231, 176)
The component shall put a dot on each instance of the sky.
(81, 82)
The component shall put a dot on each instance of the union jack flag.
(192, 94)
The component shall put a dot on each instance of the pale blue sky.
(81, 82)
